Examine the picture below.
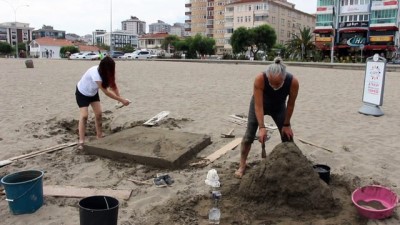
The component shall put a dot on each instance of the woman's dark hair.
(107, 72)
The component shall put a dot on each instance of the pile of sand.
(287, 178)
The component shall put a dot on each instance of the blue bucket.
(24, 191)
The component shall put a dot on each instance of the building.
(15, 32)
(98, 37)
(48, 31)
(159, 27)
(152, 41)
(177, 29)
(357, 28)
(219, 19)
(120, 38)
(48, 47)
(134, 26)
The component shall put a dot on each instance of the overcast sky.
(83, 16)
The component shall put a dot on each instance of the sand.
(38, 110)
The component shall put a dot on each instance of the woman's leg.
(83, 117)
(96, 106)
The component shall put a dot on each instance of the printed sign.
(354, 8)
(374, 82)
(356, 41)
(380, 38)
(323, 39)
(353, 24)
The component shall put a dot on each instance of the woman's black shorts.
(84, 101)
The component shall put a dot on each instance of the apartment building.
(358, 26)
(220, 18)
(48, 31)
(15, 32)
(134, 26)
(159, 27)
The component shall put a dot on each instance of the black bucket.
(98, 210)
(324, 172)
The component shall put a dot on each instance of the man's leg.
(279, 119)
(96, 106)
(248, 139)
(244, 152)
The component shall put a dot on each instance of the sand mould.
(38, 110)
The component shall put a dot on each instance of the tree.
(127, 48)
(240, 40)
(300, 44)
(263, 38)
(258, 38)
(71, 49)
(203, 45)
(5, 48)
(170, 40)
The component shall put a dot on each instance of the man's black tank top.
(273, 100)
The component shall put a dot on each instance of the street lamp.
(111, 39)
(15, 22)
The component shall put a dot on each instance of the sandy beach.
(38, 110)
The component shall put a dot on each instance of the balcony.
(188, 29)
(188, 13)
(188, 21)
(210, 26)
(211, 8)
(188, 5)
(210, 17)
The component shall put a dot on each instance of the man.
(270, 92)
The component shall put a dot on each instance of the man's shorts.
(84, 101)
(277, 114)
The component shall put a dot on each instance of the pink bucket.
(374, 201)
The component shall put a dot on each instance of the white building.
(13, 32)
(48, 47)
(134, 26)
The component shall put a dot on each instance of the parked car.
(76, 55)
(116, 54)
(85, 55)
(141, 54)
(395, 61)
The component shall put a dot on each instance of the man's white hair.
(276, 69)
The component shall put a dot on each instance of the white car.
(139, 54)
(85, 55)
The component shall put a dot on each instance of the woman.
(97, 77)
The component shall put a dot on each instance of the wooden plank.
(315, 145)
(35, 153)
(79, 192)
(156, 119)
(243, 120)
(231, 145)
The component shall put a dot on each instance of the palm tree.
(300, 44)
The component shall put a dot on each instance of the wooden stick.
(315, 145)
(139, 182)
(43, 150)
(50, 150)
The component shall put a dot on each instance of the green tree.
(258, 38)
(203, 45)
(262, 38)
(301, 44)
(71, 49)
(127, 48)
(170, 40)
(240, 40)
(5, 48)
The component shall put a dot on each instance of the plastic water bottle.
(214, 215)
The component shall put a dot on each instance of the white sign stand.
(374, 83)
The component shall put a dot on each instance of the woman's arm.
(114, 94)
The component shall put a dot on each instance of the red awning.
(351, 30)
(318, 31)
(379, 47)
(384, 28)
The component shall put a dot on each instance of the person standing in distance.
(97, 77)
(274, 93)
